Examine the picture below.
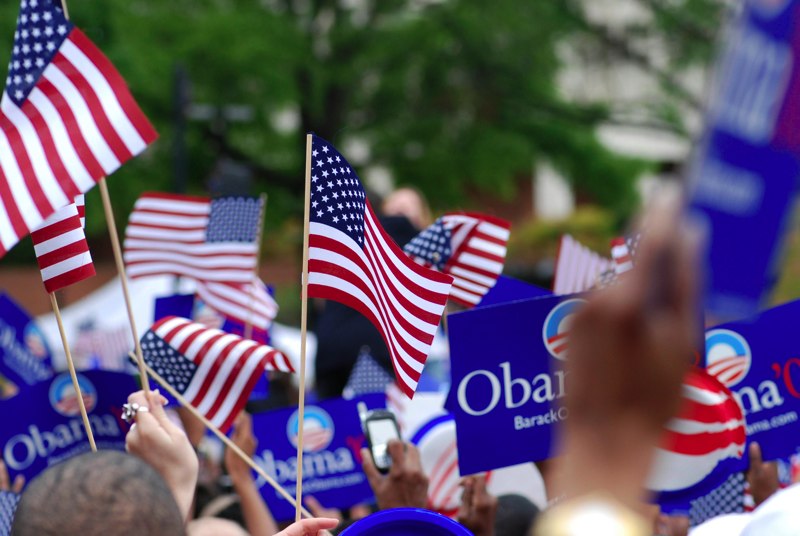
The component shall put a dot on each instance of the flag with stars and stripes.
(352, 260)
(67, 120)
(61, 250)
(468, 246)
(197, 237)
(8, 505)
(213, 370)
(578, 268)
(80, 203)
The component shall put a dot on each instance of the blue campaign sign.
(24, 355)
(744, 176)
(508, 289)
(42, 425)
(758, 359)
(331, 453)
(507, 380)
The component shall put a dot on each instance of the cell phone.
(380, 427)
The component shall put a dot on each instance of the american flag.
(470, 247)
(67, 120)
(197, 237)
(8, 505)
(242, 302)
(61, 250)
(353, 261)
(107, 347)
(623, 251)
(213, 370)
(577, 267)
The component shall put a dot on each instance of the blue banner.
(506, 386)
(42, 426)
(758, 359)
(331, 455)
(744, 176)
(508, 289)
(24, 356)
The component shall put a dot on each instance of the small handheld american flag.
(468, 246)
(197, 237)
(215, 371)
(352, 260)
(67, 120)
(61, 250)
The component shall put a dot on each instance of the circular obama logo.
(728, 356)
(317, 429)
(64, 399)
(556, 327)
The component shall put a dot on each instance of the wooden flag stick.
(301, 410)
(248, 326)
(123, 279)
(72, 373)
(225, 439)
(112, 231)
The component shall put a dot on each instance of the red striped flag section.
(353, 261)
(479, 252)
(192, 236)
(577, 267)
(67, 120)
(80, 204)
(245, 303)
(213, 370)
(61, 250)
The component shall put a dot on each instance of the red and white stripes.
(577, 267)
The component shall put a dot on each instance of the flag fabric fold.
(213, 370)
(352, 260)
(67, 120)
(61, 250)
(196, 237)
(577, 267)
(470, 247)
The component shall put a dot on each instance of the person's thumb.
(754, 453)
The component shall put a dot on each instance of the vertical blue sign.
(744, 176)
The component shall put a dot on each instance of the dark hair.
(515, 515)
(107, 493)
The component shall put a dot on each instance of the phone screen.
(381, 431)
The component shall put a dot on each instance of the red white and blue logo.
(728, 356)
(318, 429)
(64, 399)
(556, 327)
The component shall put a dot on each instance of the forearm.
(257, 516)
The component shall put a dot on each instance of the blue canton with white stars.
(367, 377)
(41, 29)
(168, 363)
(234, 219)
(432, 245)
(337, 197)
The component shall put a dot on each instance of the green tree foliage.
(452, 96)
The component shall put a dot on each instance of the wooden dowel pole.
(71, 366)
(225, 439)
(123, 278)
(303, 329)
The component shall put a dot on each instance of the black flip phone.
(380, 427)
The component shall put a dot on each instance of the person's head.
(214, 526)
(408, 202)
(106, 493)
(515, 515)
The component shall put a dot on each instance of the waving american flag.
(67, 120)
(215, 371)
(468, 246)
(353, 261)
